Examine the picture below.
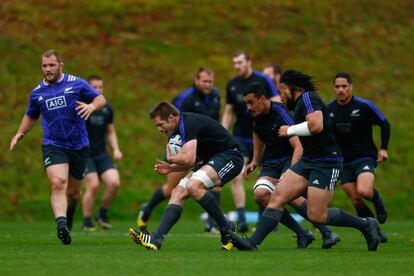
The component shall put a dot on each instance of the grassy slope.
(148, 51)
(35, 250)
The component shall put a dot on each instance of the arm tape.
(301, 129)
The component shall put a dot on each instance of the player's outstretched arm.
(25, 126)
(113, 142)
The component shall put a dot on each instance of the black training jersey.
(353, 123)
(212, 137)
(320, 146)
(97, 126)
(235, 89)
(267, 128)
(193, 100)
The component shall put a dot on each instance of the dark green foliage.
(149, 50)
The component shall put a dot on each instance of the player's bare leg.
(58, 178)
(112, 181)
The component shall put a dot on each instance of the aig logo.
(56, 102)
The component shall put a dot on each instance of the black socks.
(156, 198)
(210, 205)
(338, 217)
(61, 222)
(171, 215)
(303, 211)
(268, 221)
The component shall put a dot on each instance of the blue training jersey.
(62, 126)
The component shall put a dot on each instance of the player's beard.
(53, 77)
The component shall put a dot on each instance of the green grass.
(149, 50)
(33, 249)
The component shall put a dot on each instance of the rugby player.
(100, 127)
(273, 71)
(353, 119)
(215, 158)
(242, 130)
(202, 98)
(277, 154)
(65, 102)
(316, 171)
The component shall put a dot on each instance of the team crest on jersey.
(55, 103)
(68, 91)
(355, 113)
(331, 115)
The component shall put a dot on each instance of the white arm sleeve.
(301, 129)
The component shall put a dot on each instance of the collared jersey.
(212, 137)
(267, 126)
(97, 127)
(193, 100)
(320, 146)
(62, 126)
(235, 89)
(353, 124)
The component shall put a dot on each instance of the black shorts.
(228, 164)
(76, 159)
(99, 164)
(352, 169)
(274, 169)
(246, 146)
(320, 174)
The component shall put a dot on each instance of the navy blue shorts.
(352, 169)
(76, 159)
(320, 174)
(99, 164)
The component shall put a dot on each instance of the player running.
(216, 159)
(65, 102)
(242, 130)
(353, 119)
(100, 127)
(202, 98)
(277, 155)
(315, 173)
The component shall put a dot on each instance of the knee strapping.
(183, 182)
(264, 184)
(202, 176)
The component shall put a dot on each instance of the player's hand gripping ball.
(174, 144)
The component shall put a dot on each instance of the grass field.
(33, 249)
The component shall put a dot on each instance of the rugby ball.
(174, 144)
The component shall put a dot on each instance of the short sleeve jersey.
(321, 146)
(97, 127)
(234, 96)
(62, 126)
(353, 124)
(267, 128)
(193, 100)
(212, 137)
